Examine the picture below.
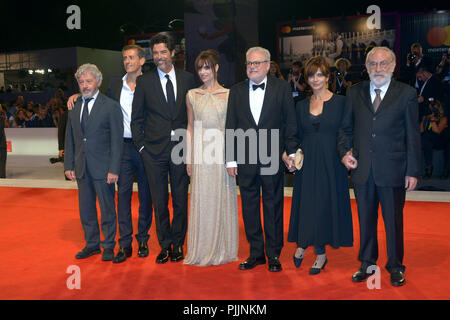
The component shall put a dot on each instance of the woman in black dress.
(321, 212)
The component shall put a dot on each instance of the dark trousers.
(159, 169)
(273, 199)
(132, 164)
(88, 191)
(392, 200)
(3, 154)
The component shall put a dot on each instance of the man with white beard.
(379, 141)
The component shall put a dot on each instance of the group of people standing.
(253, 131)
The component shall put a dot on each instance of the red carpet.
(40, 233)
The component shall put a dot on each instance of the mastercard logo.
(132, 41)
(286, 29)
(439, 36)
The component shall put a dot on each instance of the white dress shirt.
(90, 104)
(383, 89)
(256, 98)
(126, 102)
(163, 79)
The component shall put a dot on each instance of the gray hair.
(265, 52)
(92, 69)
(386, 49)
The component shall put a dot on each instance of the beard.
(380, 78)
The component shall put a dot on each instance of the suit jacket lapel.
(178, 98)
(97, 105)
(246, 95)
(365, 95)
(268, 95)
(390, 95)
(159, 90)
(118, 89)
(77, 111)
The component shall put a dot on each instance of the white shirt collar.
(94, 97)
(383, 88)
(162, 75)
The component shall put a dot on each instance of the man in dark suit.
(3, 150)
(262, 108)
(159, 109)
(380, 142)
(92, 155)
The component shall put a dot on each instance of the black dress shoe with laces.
(143, 249)
(251, 262)
(274, 264)
(163, 256)
(397, 278)
(87, 252)
(177, 254)
(123, 254)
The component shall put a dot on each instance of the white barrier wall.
(33, 141)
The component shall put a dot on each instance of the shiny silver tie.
(377, 101)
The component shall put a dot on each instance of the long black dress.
(321, 212)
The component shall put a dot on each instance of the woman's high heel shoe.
(297, 261)
(314, 271)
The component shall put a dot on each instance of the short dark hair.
(315, 63)
(298, 64)
(209, 58)
(140, 51)
(162, 38)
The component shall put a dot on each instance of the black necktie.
(170, 95)
(85, 115)
(256, 86)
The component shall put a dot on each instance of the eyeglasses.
(383, 64)
(255, 63)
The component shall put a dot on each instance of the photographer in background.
(341, 79)
(434, 127)
(431, 88)
(414, 60)
(297, 81)
(443, 71)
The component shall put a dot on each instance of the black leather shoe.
(177, 254)
(361, 274)
(274, 264)
(143, 249)
(397, 278)
(123, 254)
(108, 255)
(251, 262)
(87, 252)
(163, 256)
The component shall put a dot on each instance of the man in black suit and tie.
(92, 155)
(380, 142)
(159, 109)
(263, 109)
